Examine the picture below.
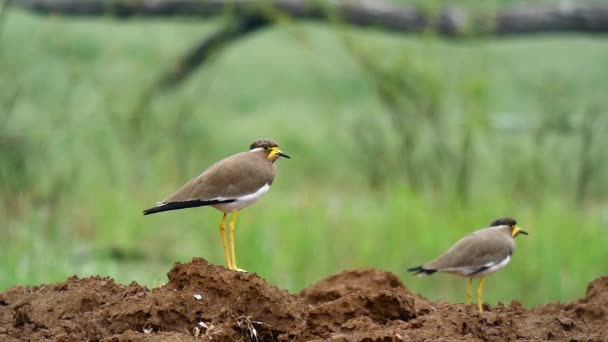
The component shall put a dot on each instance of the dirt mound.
(336, 286)
(205, 302)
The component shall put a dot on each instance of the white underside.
(466, 271)
(241, 202)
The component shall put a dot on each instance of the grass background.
(80, 158)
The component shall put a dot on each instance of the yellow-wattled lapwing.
(477, 255)
(229, 185)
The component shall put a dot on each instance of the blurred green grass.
(75, 176)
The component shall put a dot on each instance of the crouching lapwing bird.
(477, 255)
(229, 185)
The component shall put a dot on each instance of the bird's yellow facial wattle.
(515, 230)
(274, 151)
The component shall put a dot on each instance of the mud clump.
(205, 302)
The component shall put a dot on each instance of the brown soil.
(359, 305)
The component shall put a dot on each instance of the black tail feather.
(183, 205)
(421, 270)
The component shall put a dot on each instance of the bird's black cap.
(503, 221)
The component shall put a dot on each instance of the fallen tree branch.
(252, 15)
(376, 13)
(208, 47)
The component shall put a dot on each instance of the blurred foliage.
(400, 145)
(438, 120)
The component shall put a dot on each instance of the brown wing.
(475, 250)
(238, 175)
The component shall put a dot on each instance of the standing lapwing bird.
(477, 255)
(229, 185)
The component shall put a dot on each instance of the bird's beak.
(516, 231)
(274, 151)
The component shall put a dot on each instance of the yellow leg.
(231, 226)
(223, 234)
(479, 290)
(469, 291)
